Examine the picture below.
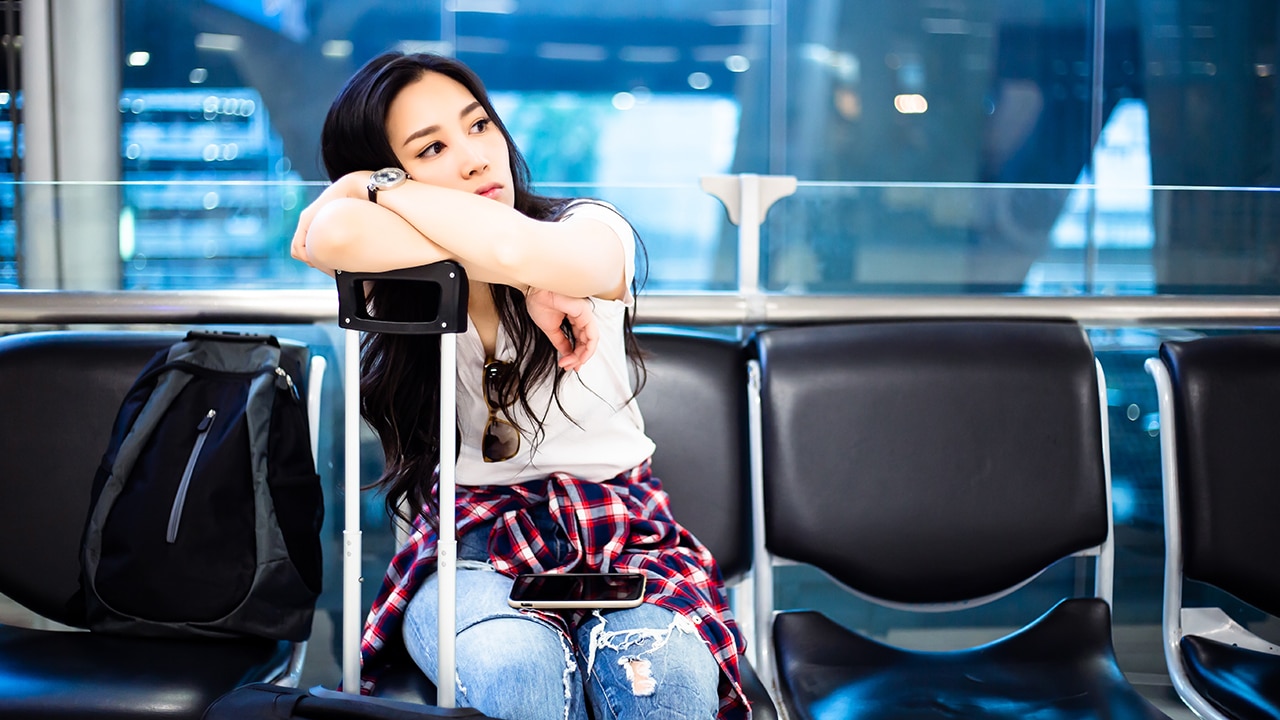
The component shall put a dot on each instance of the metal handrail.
(55, 307)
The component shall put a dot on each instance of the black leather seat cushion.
(1060, 667)
(51, 674)
(402, 680)
(1242, 683)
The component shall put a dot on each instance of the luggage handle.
(232, 336)
(444, 288)
(447, 286)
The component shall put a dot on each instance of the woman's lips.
(490, 191)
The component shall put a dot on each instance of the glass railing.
(1041, 240)
(794, 240)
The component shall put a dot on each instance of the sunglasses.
(501, 439)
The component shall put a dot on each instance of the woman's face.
(443, 136)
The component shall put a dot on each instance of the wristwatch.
(385, 179)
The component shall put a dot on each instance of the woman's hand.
(351, 185)
(549, 310)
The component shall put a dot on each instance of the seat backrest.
(694, 407)
(1226, 400)
(931, 461)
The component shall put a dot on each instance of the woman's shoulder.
(593, 208)
(603, 212)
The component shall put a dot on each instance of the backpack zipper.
(285, 382)
(175, 514)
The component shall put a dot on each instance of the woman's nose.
(474, 160)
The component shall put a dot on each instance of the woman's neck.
(483, 315)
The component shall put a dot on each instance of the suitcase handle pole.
(444, 286)
(447, 551)
(351, 549)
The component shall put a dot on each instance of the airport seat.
(934, 466)
(694, 405)
(60, 392)
(1219, 402)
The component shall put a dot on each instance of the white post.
(749, 234)
(747, 199)
(761, 562)
(71, 135)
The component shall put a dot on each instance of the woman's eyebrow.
(433, 128)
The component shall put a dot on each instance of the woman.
(553, 469)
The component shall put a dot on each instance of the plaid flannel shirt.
(623, 524)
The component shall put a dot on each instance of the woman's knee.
(519, 668)
(649, 663)
(506, 664)
(511, 648)
(480, 597)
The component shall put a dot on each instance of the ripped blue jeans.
(643, 662)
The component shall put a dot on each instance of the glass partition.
(993, 146)
(235, 234)
(1118, 236)
(829, 238)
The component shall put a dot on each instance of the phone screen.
(567, 590)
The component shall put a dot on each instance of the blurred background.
(1025, 147)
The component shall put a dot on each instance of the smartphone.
(559, 591)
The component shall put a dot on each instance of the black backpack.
(206, 509)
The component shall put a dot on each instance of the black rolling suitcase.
(443, 287)
(264, 700)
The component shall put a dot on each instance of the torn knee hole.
(640, 675)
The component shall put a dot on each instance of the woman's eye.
(431, 150)
(481, 125)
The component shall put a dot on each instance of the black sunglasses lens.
(495, 374)
(501, 441)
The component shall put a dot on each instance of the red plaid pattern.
(623, 524)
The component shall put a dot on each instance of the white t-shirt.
(600, 433)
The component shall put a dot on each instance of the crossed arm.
(557, 265)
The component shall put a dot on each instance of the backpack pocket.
(178, 544)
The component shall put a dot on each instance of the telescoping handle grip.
(429, 299)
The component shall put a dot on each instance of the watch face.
(387, 178)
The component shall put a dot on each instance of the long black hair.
(399, 386)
